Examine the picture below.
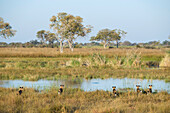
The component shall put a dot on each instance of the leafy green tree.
(74, 29)
(104, 35)
(117, 34)
(153, 43)
(58, 27)
(126, 43)
(5, 29)
(166, 42)
(67, 27)
(41, 35)
(3, 44)
(50, 37)
(34, 42)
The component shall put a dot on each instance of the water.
(89, 85)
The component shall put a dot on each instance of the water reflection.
(89, 85)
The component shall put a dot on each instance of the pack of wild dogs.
(138, 90)
(115, 93)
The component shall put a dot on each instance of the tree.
(154, 43)
(126, 43)
(50, 37)
(41, 35)
(117, 34)
(5, 29)
(58, 27)
(75, 29)
(166, 42)
(34, 42)
(3, 44)
(67, 27)
(104, 35)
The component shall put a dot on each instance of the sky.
(143, 20)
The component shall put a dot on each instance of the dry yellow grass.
(77, 101)
(40, 73)
(54, 52)
(32, 64)
(166, 61)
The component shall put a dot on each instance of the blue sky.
(143, 20)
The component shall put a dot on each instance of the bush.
(149, 47)
(75, 63)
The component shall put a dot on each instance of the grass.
(95, 72)
(78, 101)
(78, 52)
(37, 63)
(165, 61)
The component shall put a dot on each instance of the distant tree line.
(40, 44)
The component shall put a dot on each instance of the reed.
(87, 63)
(85, 72)
(165, 61)
(78, 101)
(78, 52)
(131, 60)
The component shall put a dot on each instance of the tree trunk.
(117, 43)
(61, 47)
(104, 46)
(52, 45)
(71, 49)
(70, 46)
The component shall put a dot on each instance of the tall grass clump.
(75, 62)
(165, 61)
(97, 59)
(132, 59)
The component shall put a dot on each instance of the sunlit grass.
(78, 52)
(88, 73)
(76, 100)
(38, 63)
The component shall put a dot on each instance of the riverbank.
(76, 100)
(88, 73)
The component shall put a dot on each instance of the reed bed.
(78, 101)
(88, 63)
(78, 52)
(88, 73)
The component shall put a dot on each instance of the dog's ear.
(150, 86)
